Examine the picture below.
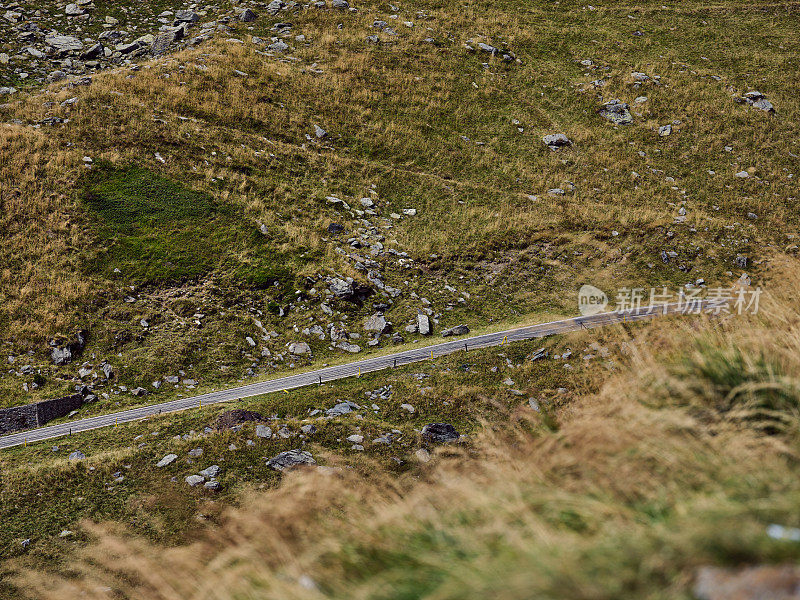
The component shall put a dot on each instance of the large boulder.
(291, 459)
(64, 43)
(163, 41)
(347, 289)
(64, 354)
(440, 433)
(186, 16)
(247, 15)
(423, 324)
(237, 416)
(377, 323)
(340, 287)
(300, 349)
(457, 330)
(167, 460)
(342, 408)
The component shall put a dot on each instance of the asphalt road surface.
(353, 369)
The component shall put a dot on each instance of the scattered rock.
(62, 355)
(556, 141)
(617, 112)
(195, 480)
(64, 43)
(757, 100)
(263, 431)
(77, 455)
(167, 460)
(211, 472)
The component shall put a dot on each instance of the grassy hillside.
(289, 177)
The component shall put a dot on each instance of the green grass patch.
(156, 230)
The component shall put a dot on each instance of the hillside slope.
(212, 211)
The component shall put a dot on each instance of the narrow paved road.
(342, 371)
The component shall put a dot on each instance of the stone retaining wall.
(29, 416)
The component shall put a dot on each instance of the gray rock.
(214, 486)
(61, 356)
(77, 455)
(167, 460)
(320, 132)
(377, 323)
(73, 10)
(211, 472)
(340, 288)
(665, 130)
(279, 46)
(758, 100)
(300, 348)
(617, 112)
(342, 408)
(94, 51)
(556, 141)
(440, 433)
(291, 459)
(348, 347)
(186, 16)
(64, 43)
(263, 431)
(247, 15)
(764, 104)
(162, 42)
(129, 48)
(195, 480)
(423, 324)
(195, 453)
(457, 330)
(275, 6)
(341, 4)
